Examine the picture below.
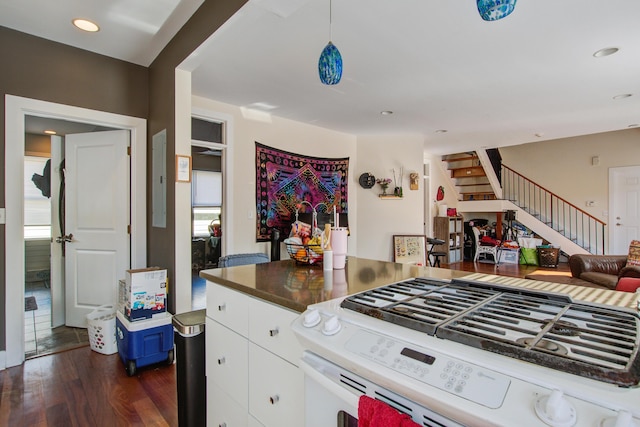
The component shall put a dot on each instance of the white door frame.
(611, 249)
(227, 156)
(16, 110)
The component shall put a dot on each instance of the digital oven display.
(416, 355)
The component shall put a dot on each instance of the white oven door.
(332, 394)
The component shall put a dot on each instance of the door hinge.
(129, 229)
(128, 151)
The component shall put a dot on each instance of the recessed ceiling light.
(605, 52)
(386, 112)
(442, 131)
(86, 25)
(539, 134)
(634, 125)
(50, 132)
(623, 96)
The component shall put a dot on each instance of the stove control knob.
(555, 410)
(623, 419)
(331, 326)
(311, 318)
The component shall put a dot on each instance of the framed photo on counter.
(410, 249)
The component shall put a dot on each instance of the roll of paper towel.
(442, 210)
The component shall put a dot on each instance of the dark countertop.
(296, 286)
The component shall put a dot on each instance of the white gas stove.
(477, 354)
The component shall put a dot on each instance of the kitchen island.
(295, 286)
(252, 355)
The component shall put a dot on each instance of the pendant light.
(492, 10)
(330, 62)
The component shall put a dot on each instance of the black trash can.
(191, 382)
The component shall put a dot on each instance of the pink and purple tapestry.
(284, 180)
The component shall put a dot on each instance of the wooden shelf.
(451, 230)
(388, 196)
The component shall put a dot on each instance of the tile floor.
(39, 337)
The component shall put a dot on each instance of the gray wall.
(41, 69)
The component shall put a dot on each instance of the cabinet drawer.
(228, 307)
(254, 423)
(227, 360)
(270, 327)
(222, 410)
(276, 392)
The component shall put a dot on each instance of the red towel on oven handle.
(374, 413)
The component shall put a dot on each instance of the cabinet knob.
(274, 399)
(222, 307)
(274, 332)
(221, 360)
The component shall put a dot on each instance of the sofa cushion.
(628, 284)
(609, 281)
(634, 253)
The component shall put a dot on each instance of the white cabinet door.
(222, 410)
(276, 391)
(228, 307)
(270, 327)
(227, 361)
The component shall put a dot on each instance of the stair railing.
(567, 219)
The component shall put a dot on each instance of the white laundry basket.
(101, 328)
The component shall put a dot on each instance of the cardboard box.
(143, 293)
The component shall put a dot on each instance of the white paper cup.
(339, 247)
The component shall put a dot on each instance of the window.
(202, 218)
(37, 207)
(206, 200)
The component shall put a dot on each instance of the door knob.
(65, 238)
(618, 224)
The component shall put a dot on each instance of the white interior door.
(624, 211)
(57, 272)
(97, 251)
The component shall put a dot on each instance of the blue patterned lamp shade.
(492, 10)
(330, 65)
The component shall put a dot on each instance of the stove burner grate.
(547, 329)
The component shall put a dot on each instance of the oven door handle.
(348, 397)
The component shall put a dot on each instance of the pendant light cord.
(330, 22)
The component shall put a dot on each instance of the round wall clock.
(367, 180)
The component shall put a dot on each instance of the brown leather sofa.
(602, 270)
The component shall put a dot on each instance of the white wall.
(372, 221)
(379, 219)
(285, 135)
(564, 166)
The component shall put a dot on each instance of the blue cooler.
(144, 342)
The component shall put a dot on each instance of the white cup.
(339, 247)
(327, 260)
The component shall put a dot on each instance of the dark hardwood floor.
(503, 269)
(80, 387)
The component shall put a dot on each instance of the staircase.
(484, 185)
(469, 176)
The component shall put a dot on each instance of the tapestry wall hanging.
(284, 180)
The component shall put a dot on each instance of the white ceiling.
(529, 77)
(132, 30)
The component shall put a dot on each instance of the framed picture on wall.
(410, 249)
(183, 168)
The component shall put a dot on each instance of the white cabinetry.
(251, 359)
